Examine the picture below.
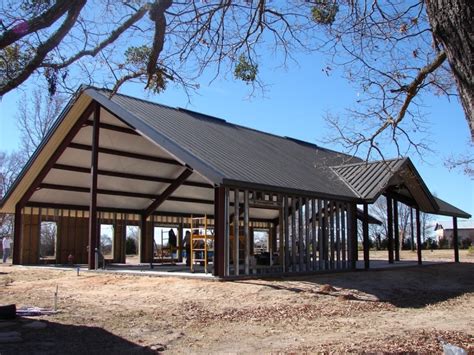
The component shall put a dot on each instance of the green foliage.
(430, 244)
(157, 83)
(465, 243)
(444, 243)
(324, 12)
(137, 56)
(12, 60)
(245, 70)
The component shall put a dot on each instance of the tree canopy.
(394, 50)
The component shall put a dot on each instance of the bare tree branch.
(46, 19)
(43, 50)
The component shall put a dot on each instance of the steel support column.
(418, 236)
(17, 234)
(93, 225)
(455, 240)
(365, 228)
(219, 231)
(396, 230)
(390, 229)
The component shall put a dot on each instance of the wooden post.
(308, 263)
(236, 232)
(246, 232)
(181, 239)
(396, 232)
(365, 228)
(455, 240)
(151, 234)
(320, 234)
(326, 235)
(281, 232)
(219, 231)
(300, 234)
(143, 247)
(390, 229)
(343, 233)
(227, 233)
(331, 231)
(352, 235)
(412, 231)
(418, 236)
(287, 233)
(17, 234)
(93, 225)
(338, 236)
(313, 233)
(293, 232)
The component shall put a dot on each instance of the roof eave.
(289, 191)
(155, 137)
(62, 116)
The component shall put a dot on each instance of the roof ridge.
(369, 162)
(221, 120)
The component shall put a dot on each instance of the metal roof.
(447, 209)
(224, 153)
(368, 179)
(232, 154)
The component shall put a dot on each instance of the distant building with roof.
(445, 230)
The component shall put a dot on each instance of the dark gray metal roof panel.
(232, 152)
(368, 179)
(450, 210)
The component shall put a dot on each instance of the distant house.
(444, 230)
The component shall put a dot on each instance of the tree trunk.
(453, 28)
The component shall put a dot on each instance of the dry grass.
(405, 310)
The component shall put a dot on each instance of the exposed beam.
(168, 192)
(57, 153)
(129, 175)
(125, 154)
(115, 128)
(123, 193)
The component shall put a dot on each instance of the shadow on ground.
(413, 287)
(57, 338)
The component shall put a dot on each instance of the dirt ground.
(399, 310)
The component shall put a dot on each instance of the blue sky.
(294, 104)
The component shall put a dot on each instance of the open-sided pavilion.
(125, 161)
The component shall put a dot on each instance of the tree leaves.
(324, 12)
(245, 70)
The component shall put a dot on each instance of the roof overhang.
(397, 178)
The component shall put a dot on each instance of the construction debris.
(34, 311)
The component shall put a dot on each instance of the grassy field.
(398, 310)
(446, 255)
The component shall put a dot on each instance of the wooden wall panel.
(31, 232)
(119, 240)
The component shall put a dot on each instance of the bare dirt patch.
(403, 310)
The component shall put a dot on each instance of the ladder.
(202, 242)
